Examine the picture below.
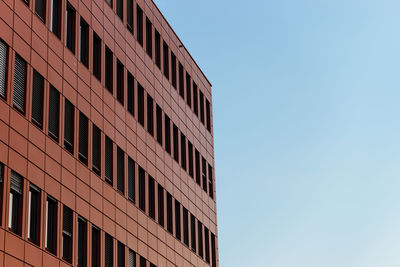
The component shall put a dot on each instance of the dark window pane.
(160, 205)
(193, 232)
(109, 251)
(150, 115)
(3, 68)
(169, 213)
(34, 214)
(15, 208)
(120, 9)
(95, 246)
(142, 262)
(173, 69)
(197, 158)
(213, 251)
(185, 219)
(120, 170)
(195, 100)
(142, 189)
(149, 38)
(131, 179)
(207, 244)
(176, 143)
(159, 124)
(108, 161)
(51, 225)
(84, 39)
(120, 82)
(40, 9)
(121, 254)
(152, 206)
(69, 121)
(167, 134)
(82, 242)
(166, 59)
(140, 104)
(181, 83)
(157, 55)
(37, 98)
(67, 234)
(109, 70)
(188, 90)
(183, 151)
(55, 22)
(204, 173)
(96, 56)
(200, 238)
(201, 107)
(83, 138)
(131, 94)
(96, 149)
(54, 112)
(177, 220)
(139, 17)
(70, 28)
(132, 258)
(210, 182)
(208, 114)
(129, 15)
(190, 152)
(19, 83)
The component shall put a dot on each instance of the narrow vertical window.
(166, 59)
(210, 182)
(150, 115)
(185, 219)
(55, 21)
(96, 56)
(121, 255)
(159, 124)
(169, 214)
(109, 70)
(208, 115)
(190, 152)
(188, 90)
(207, 244)
(183, 151)
(120, 9)
(129, 15)
(82, 242)
(131, 94)
(177, 220)
(15, 208)
(84, 42)
(181, 83)
(149, 38)
(96, 149)
(213, 251)
(204, 173)
(140, 104)
(197, 159)
(120, 82)
(69, 120)
(95, 246)
(200, 238)
(142, 189)
(19, 83)
(157, 47)
(152, 206)
(161, 205)
(67, 234)
(201, 107)
(70, 28)
(173, 69)
(176, 143)
(1, 187)
(142, 262)
(108, 251)
(195, 100)
(167, 134)
(108, 161)
(131, 179)
(83, 138)
(51, 225)
(54, 113)
(37, 98)
(120, 170)
(34, 214)
(132, 258)
(139, 17)
(193, 232)
(3, 68)
(40, 9)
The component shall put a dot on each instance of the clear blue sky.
(306, 98)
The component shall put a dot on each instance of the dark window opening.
(84, 39)
(69, 120)
(108, 160)
(132, 258)
(54, 113)
(3, 68)
(161, 205)
(67, 234)
(181, 83)
(120, 170)
(15, 208)
(120, 9)
(120, 82)
(40, 9)
(55, 22)
(19, 83)
(208, 115)
(200, 238)
(169, 214)
(159, 124)
(82, 242)
(193, 232)
(121, 254)
(150, 115)
(131, 94)
(213, 251)
(142, 189)
(70, 28)
(131, 179)
(139, 17)
(176, 144)
(195, 100)
(83, 138)
(183, 151)
(96, 56)
(142, 262)
(197, 158)
(201, 107)
(96, 149)
(177, 220)
(166, 59)
(204, 173)
(190, 152)
(140, 104)
(188, 90)
(95, 246)
(157, 55)
(210, 182)
(109, 251)
(173, 69)
(129, 15)
(37, 99)
(185, 219)
(167, 134)
(149, 38)
(152, 203)
(51, 225)
(207, 244)
(1, 188)
(109, 70)
(34, 214)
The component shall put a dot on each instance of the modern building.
(106, 138)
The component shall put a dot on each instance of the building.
(106, 138)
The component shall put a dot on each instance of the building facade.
(106, 138)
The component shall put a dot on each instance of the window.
(149, 38)
(82, 242)
(67, 234)
(177, 220)
(15, 208)
(70, 28)
(213, 251)
(142, 262)
(152, 265)
(190, 152)
(96, 56)
(37, 98)
(96, 149)
(129, 15)
(54, 113)
(140, 104)
(108, 161)
(139, 17)
(201, 107)
(109, 250)
(121, 254)
(197, 157)
(167, 134)
(120, 170)
(84, 39)
(51, 225)
(69, 120)
(132, 258)
(157, 55)
(204, 173)
(95, 246)
(152, 206)
(1, 187)
(40, 9)
(207, 244)
(208, 114)
(185, 219)
(193, 232)
(131, 179)
(176, 144)
(120, 81)
(83, 138)
(169, 213)
(34, 214)
(200, 238)
(120, 9)
(161, 205)
(173, 69)
(183, 151)
(150, 116)
(181, 84)
(131, 94)
(195, 100)
(109, 70)
(166, 59)
(188, 89)
(159, 124)
(3, 68)
(142, 188)
(19, 83)
(210, 182)
(55, 21)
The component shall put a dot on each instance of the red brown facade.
(106, 138)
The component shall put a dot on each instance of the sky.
(306, 116)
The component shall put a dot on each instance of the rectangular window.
(173, 69)
(131, 179)
(15, 208)
(183, 151)
(204, 173)
(131, 94)
(207, 244)
(208, 115)
(157, 55)
(69, 120)
(195, 100)
(188, 90)
(142, 189)
(37, 98)
(121, 253)
(120, 82)
(96, 149)
(201, 107)
(159, 124)
(108, 160)
(139, 17)
(169, 214)
(34, 214)
(132, 258)
(55, 21)
(167, 134)
(140, 104)
(177, 220)
(176, 144)
(54, 113)
(96, 56)
(161, 205)
(84, 40)
(210, 182)
(1, 187)
(152, 203)
(108, 251)
(51, 225)
(120, 9)
(95, 246)
(3, 68)
(83, 138)
(200, 238)
(193, 232)
(40, 9)
(70, 28)
(190, 152)
(185, 218)
(149, 38)
(109, 70)
(166, 59)
(129, 15)
(67, 234)
(120, 170)
(150, 115)
(142, 262)
(213, 251)
(197, 158)
(181, 84)
(19, 83)
(82, 242)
